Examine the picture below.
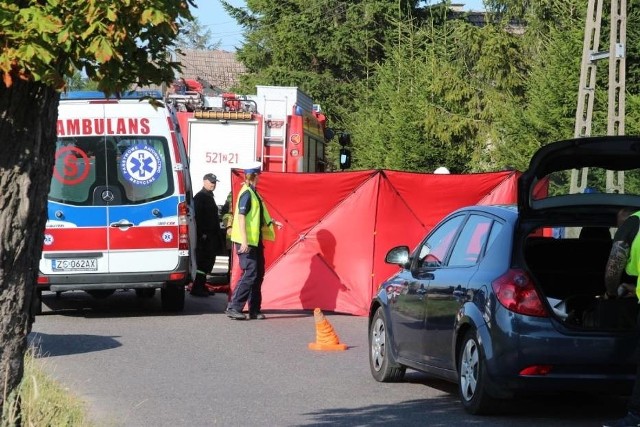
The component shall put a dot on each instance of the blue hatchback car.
(508, 300)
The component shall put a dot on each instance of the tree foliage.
(402, 78)
(194, 35)
(417, 87)
(80, 82)
(436, 98)
(118, 44)
(547, 112)
(324, 47)
(554, 40)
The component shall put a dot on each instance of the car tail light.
(176, 276)
(43, 280)
(516, 292)
(183, 227)
(536, 370)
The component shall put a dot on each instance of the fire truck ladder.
(616, 99)
(275, 130)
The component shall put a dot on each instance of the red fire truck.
(280, 127)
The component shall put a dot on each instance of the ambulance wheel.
(146, 292)
(172, 297)
(101, 293)
(36, 307)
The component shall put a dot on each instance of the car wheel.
(384, 368)
(472, 377)
(172, 297)
(146, 292)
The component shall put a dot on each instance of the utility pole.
(586, 93)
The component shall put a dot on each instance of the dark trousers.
(206, 250)
(249, 287)
(634, 400)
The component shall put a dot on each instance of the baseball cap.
(211, 178)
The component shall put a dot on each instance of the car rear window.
(594, 181)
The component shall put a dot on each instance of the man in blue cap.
(252, 224)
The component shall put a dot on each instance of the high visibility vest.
(633, 264)
(253, 224)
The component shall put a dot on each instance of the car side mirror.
(398, 255)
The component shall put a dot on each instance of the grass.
(42, 401)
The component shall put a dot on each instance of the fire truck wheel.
(101, 293)
(172, 297)
(146, 292)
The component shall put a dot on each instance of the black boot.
(199, 289)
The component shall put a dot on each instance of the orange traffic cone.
(326, 338)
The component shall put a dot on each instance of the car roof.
(505, 211)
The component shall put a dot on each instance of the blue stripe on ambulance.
(96, 216)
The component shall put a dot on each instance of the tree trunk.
(28, 115)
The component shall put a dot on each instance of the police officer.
(208, 231)
(251, 225)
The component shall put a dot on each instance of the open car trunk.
(569, 273)
(568, 201)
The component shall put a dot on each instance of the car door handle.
(123, 223)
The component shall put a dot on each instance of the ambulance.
(120, 212)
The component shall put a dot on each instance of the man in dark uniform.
(208, 231)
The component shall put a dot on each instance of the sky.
(224, 28)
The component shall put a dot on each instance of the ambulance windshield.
(135, 169)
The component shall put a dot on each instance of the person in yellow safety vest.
(252, 224)
(621, 277)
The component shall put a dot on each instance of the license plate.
(74, 264)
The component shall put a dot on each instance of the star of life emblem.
(141, 165)
(48, 240)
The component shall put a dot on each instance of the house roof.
(219, 68)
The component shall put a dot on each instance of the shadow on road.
(577, 410)
(561, 410)
(287, 314)
(124, 303)
(47, 345)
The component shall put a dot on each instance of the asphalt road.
(136, 366)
